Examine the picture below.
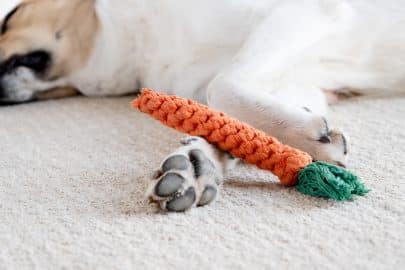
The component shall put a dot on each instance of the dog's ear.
(7, 18)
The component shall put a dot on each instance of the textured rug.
(73, 174)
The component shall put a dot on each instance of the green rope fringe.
(320, 179)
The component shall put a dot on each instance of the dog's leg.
(266, 85)
(292, 122)
(259, 87)
(190, 176)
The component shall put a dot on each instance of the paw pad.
(169, 184)
(182, 203)
(189, 177)
(207, 196)
(202, 165)
(177, 162)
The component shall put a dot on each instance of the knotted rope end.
(320, 179)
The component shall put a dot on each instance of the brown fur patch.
(67, 29)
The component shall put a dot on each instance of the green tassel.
(320, 179)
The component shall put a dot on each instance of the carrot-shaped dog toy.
(292, 166)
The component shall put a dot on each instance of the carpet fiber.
(73, 174)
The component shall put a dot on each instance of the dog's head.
(41, 43)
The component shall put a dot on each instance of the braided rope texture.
(228, 134)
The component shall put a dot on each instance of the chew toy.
(292, 166)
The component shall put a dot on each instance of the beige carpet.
(73, 173)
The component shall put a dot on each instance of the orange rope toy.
(291, 165)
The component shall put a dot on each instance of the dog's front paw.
(321, 142)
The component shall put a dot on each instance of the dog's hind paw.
(188, 177)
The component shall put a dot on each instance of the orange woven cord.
(228, 134)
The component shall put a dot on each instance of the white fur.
(259, 60)
(182, 45)
(172, 46)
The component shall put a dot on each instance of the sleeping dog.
(275, 64)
